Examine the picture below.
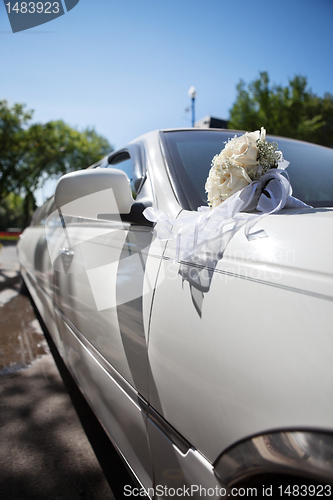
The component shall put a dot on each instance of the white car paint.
(178, 376)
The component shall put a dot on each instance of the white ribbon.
(269, 194)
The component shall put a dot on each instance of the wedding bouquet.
(243, 160)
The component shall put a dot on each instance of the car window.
(123, 162)
(41, 214)
(310, 171)
(189, 155)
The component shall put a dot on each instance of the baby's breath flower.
(268, 155)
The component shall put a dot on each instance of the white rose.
(243, 150)
(235, 167)
(224, 183)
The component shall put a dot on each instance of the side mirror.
(89, 193)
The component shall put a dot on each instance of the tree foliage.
(29, 154)
(291, 111)
(12, 212)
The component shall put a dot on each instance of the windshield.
(189, 155)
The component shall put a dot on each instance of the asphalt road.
(51, 444)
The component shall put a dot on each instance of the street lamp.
(192, 94)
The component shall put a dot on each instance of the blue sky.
(125, 66)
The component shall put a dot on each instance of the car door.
(100, 280)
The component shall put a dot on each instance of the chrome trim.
(297, 453)
(177, 439)
(29, 277)
(276, 285)
(255, 280)
(40, 288)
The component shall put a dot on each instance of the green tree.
(13, 124)
(12, 212)
(291, 111)
(29, 154)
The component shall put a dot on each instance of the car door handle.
(66, 255)
(66, 252)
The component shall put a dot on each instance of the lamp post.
(192, 94)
